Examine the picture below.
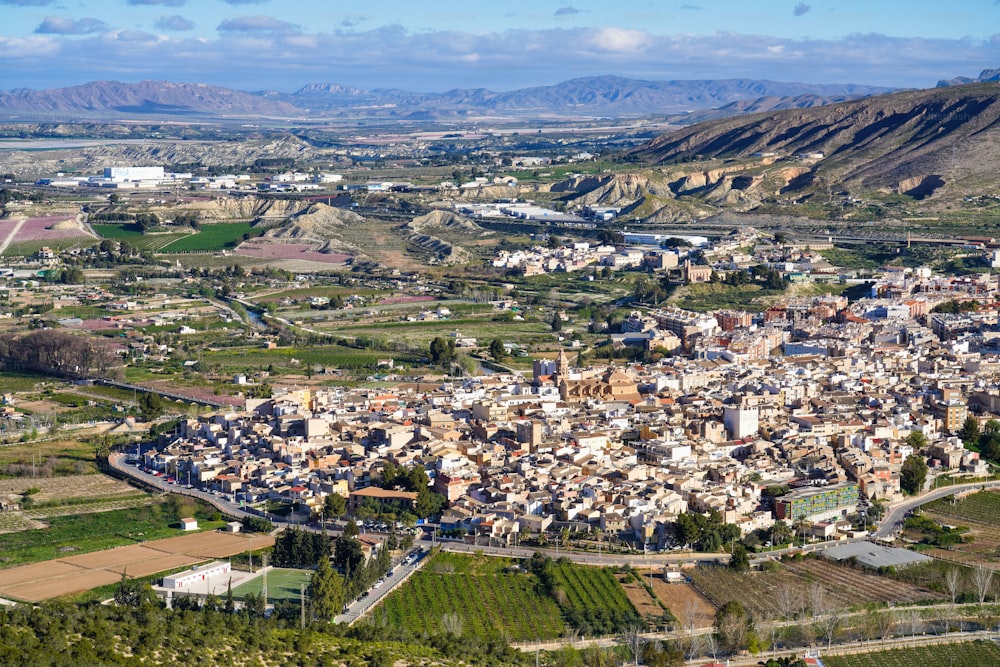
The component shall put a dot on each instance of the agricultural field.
(289, 251)
(638, 595)
(980, 512)
(60, 456)
(968, 653)
(591, 598)
(484, 596)
(689, 607)
(296, 360)
(421, 333)
(211, 238)
(282, 584)
(82, 533)
(68, 489)
(208, 238)
(982, 507)
(800, 587)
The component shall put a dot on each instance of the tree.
(953, 582)
(442, 350)
(969, 433)
(913, 474)
(917, 440)
(335, 505)
(733, 626)
(983, 577)
(556, 322)
(497, 350)
(150, 406)
(740, 560)
(326, 592)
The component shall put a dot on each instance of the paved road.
(117, 461)
(894, 519)
(367, 602)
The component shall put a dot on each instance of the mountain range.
(912, 142)
(592, 96)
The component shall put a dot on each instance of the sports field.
(74, 574)
(282, 584)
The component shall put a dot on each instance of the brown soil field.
(35, 571)
(74, 574)
(685, 603)
(155, 565)
(73, 486)
(640, 598)
(211, 544)
(83, 580)
(99, 560)
(799, 586)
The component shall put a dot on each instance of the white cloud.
(263, 52)
(57, 25)
(620, 40)
(258, 24)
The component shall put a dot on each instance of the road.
(400, 573)
(894, 519)
(12, 235)
(117, 461)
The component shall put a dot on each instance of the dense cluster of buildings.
(816, 395)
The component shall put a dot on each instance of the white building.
(129, 174)
(740, 422)
(199, 577)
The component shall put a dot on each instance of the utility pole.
(263, 591)
(302, 605)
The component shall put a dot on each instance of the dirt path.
(13, 234)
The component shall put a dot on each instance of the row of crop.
(591, 588)
(970, 653)
(486, 606)
(982, 507)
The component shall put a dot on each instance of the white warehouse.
(199, 578)
(129, 174)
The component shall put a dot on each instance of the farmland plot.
(474, 597)
(800, 587)
(969, 653)
(980, 512)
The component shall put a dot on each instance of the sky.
(438, 45)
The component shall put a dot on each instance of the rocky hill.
(920, 143)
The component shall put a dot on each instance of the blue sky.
(436, 45)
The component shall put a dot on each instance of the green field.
(282, 584)
(118, 232)
(210, 238)
(28, 248)
(59, 456)
(982, 507)
(483, 595)
(970, 653)
(104, 530)
(330, 356)
(421, 333)
(14, 382)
